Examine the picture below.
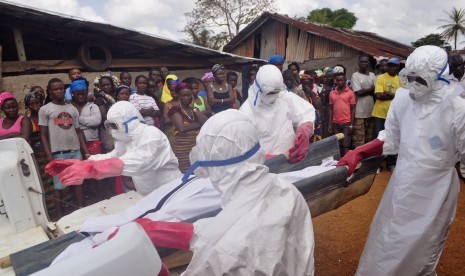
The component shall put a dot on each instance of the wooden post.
(19, 44)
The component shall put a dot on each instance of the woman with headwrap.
(313, 98)
(104, 88)
(220, 94)
(166, 93)
(187, 121)
(122, 93)
(207, 79)
(33, 102)
(40, 91)
(277, 61)
(169, 127)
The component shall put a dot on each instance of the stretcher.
(323, 192)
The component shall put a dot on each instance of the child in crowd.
(61, 135)
(311, 92)
(317, 85)
(123, 183)
(123, 93)
(152, 91)
(73, 74)
(342, 111)
(199, 102)
(33, 101)
(104, 87)
(164, 71)
(231, 78)
(292, 85)
(252, 75)
(40, 91)
(155, 75)
(145, 104)
(126, 79)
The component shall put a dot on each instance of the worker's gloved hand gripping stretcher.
(141, 152)
(284, 121)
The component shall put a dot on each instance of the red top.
(341, 103)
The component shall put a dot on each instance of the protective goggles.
(272, 93)
(111, 125)
(115, 126)
(417, 79)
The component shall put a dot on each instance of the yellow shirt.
(384, 82)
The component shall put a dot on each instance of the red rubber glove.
(76, 173)
(352, 157)
(57, 166)
(301, 143)
(168, 234)
(164, 271)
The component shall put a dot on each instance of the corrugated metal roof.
(366, 42)
(53, 36)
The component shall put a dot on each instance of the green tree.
(340, 18)
(455, 25)
(225, 15)
(431, 39)
(322, 16)
(206, 38)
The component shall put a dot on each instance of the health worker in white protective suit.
(141, 151)
(283, 119)
(264, 227)
(425, 125)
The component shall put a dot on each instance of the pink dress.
(16, 128)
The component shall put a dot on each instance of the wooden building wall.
(300, 46)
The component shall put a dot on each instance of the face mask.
(418, 95)
(270, 99)
(418, 91)
(120, 136)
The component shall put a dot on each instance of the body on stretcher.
(324, 187)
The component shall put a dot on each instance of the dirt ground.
(340, 235)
